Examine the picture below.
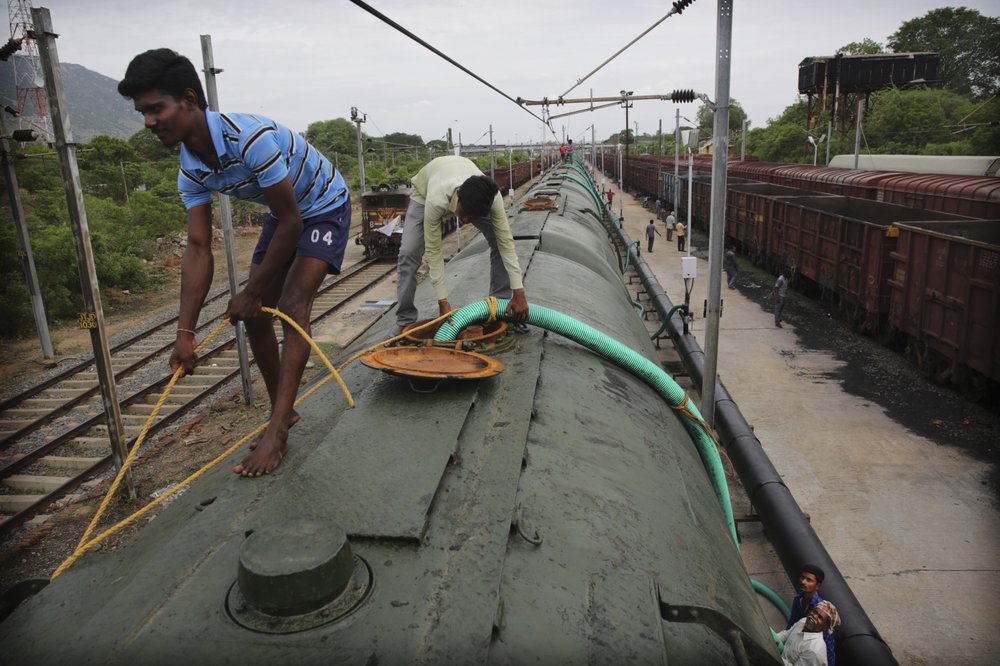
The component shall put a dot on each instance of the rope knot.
(493, 305)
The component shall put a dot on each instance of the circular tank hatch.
(484, 338)
(539, 203)
(435, 363)
(297, 575)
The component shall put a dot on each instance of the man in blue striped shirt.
(253, 158)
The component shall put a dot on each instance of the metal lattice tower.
(28, 78)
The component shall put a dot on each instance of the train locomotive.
(557, 512)
(383, 210)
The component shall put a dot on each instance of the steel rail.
(381, 269)
(7, 439)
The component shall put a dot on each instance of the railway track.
(53, 436)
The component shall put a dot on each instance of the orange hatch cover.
(432, 363)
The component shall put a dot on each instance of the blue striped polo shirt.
(254, 153)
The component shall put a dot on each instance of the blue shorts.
(324, 237)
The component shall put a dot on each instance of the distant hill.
(95, 107)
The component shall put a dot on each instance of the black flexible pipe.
(793, 538)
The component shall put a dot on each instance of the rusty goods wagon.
(519, 174)
(944, 298)
(843, 245)
(748, 214)
(972, 196)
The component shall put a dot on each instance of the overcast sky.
(300, 61)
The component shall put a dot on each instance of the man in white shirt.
(804, 644)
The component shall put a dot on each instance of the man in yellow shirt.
(454, 185)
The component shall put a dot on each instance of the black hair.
(815, 571)
(476, 195)
(164, 70)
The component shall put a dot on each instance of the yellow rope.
(84, 545)
(389, 341)
(686, 411)
(491, 303)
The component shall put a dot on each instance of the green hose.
(778, 603)
(583, 172)
(666, 322)
(597, 199)
(628, 255)
(624, 357)
(642, 309)
(640, 366)
(773, 597)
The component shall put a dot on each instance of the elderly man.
(454, 185)
(804, 644)
(810, 581)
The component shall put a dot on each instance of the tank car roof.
(549, 513)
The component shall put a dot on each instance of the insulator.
(11, 110)
(682, 96)
(681, 5)
(23, 135)
(10, 48)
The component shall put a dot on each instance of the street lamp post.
(357, 117)
(626, 104)
(815, 144)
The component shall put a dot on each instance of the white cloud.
(309, 60)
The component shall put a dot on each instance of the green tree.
(333, 136)
(983, 138)
(148, 147)
(403, 139)
(917, 122)
(865, 47)
(783, 139)
(102, 166)
(969, 44)
(778, 142)
(706, 119)
(39, 170)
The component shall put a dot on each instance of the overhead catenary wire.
(678, 7)
(388, 21)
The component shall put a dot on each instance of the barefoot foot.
(265, 457)
(293, 419)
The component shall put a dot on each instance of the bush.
(16, 319)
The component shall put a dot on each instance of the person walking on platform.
(681, 231)
(454, 185)
(569, 150)
(651, 233)
(659, 207)
(730, 266)
(780, 290)
(671, 225)
(249, 157)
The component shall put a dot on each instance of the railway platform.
(898, 476)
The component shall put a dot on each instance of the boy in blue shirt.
(249, 157)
